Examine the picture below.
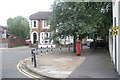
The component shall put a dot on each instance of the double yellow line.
(25, 72)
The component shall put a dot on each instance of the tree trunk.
(74, 43)
(81, 45)
(65, 42)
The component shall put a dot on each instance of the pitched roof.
(3, 26)
(40, 16)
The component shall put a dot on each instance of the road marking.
(22, 71)
(25, 72)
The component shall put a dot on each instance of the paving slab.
(57, 64)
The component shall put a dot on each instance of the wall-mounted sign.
(115, 30)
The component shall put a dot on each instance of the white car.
(89, 41)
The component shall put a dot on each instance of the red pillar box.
(78, 47)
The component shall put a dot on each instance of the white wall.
(32, 23)
(119, 53)
(4, 35)
(69, 40)
(31, 36)
(119, 42)
(42, 38)
(116, 14)
(43, 25)
(111, 43)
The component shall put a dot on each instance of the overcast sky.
(12, 8)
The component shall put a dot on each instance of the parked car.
(98, 44)
(89, 41)
(27, 41)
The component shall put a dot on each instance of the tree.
(67, 18)
(81, 18)
(18, 26)
(101, 16)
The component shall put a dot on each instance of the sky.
(13, 8)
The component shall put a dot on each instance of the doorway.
(34, 38)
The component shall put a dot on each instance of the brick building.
(39, 29)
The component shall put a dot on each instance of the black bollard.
(35, 65)
(60, 48)
(51, 49)
(34, 58)
(68, 47)
(41, 51)
(47, 50)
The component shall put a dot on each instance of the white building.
(114, 40)
(3, 32)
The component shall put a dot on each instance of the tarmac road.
(10, 58)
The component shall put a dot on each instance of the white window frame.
(32, 23)
(43, 25)
(31, 37)
(42, 37)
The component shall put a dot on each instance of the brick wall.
(15, 41)
(39, 27)
(3, 40)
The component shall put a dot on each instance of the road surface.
(10, 58)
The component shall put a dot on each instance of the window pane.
(34, 23)
(46, 23)
(46, 35)
(42, 35)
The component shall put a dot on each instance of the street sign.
(115, 30)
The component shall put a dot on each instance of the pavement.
(98, 64)
(65, 64)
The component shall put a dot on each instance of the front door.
(34, 38)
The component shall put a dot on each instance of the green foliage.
(19, 26)
(85, 18)
(101, 16)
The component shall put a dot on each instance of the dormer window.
(34, 23)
